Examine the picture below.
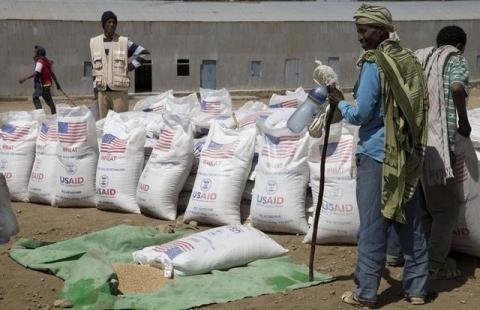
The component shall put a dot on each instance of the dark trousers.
(43, 92)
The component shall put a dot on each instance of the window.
(183, 67)
(255, 68)
(87, 68)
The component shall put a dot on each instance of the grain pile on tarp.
(86, 265)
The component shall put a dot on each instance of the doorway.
(143, 78)
(208, 74)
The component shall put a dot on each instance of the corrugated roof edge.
(87, 10)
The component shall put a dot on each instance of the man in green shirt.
(447, 74)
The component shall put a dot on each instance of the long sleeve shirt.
(367, 112)
(140, 54)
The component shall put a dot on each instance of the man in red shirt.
(43, 76)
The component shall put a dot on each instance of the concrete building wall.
(233, 45)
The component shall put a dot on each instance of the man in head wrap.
(391, 109)
(110, 55)
(43, 78)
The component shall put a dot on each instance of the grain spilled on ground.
(134, 278)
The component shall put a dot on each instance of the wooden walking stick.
(68, 98)
(318, 207)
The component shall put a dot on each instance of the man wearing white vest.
(110, 53)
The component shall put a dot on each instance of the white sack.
(41, 187)
(225, 163)
(120, 163)
(278, 199)
(339, 218)
(474, 119)
(166, 171)
(466, 237)
(247, 115)
(18, 135)
(182, 106)
(289, 100)
(77, 154)
(214, 103)
(153, 103)
(214, 249)
(340, 162)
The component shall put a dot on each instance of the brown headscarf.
(369, 14)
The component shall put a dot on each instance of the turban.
(368, 14)
(106, 16)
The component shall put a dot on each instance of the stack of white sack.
(281, 180)
(248, 116)
(289, 100)
(167, 169)
(339, 219)
(41, 188)
(225, 163)
(120, 163)
(214, 249)
(77, 154)
(245, 117)
(153, 103)
(18, 134)
(213, 104)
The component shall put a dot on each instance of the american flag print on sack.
(211, 107)
(340, 152)
(279, 147)
(112, 144)
(48, 132)
(290, 103)
(11, 132)
(174, 248)
(157, 108)
(69, 132)
(164, 142)
(219, 151)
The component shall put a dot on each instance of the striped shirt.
(455, 71)
(140, 54)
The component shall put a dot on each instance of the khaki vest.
(111, 70)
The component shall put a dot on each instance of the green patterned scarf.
(405, 107)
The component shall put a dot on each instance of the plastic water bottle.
(307, 111)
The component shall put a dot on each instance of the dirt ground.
(22, 288)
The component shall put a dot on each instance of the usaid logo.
(70, 168)
(3, 164)
(206, 184)
(272, 187)
(104, 181)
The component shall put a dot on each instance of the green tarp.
(85, 263)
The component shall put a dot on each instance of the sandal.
(351, 299)
(416, 301)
